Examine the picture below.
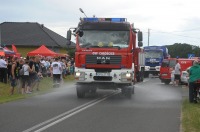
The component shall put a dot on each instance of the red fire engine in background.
(106, 55)
(167, 67)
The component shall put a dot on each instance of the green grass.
(45, 86)
(190, 117)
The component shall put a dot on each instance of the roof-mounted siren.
(69, 34)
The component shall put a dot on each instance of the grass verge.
(190, 117)
(45, 86)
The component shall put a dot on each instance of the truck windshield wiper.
(113, 47)
(117, 47)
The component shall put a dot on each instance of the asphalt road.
(155, 107)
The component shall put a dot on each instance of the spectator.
(21, 62)
(26, 78)
(56, 72)
(9, 67)
(38, 75)
(64, 67)
(32, 73)
(72, 61)
(3, 70)
(177, 73)
(14, 75)
(194, 76)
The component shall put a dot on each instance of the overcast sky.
(169, 21)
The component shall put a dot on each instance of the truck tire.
(167, 82)
(146, 74)
(133, 90)
(127, 91)
(138, 78)
(80, 91)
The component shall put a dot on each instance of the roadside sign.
(190, 56)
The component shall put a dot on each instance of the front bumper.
(116, 76)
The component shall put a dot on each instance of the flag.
(14, 48)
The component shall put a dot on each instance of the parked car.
(185, 76)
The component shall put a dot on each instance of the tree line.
(182, 50)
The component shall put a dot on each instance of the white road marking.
(63, 116)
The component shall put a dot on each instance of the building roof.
(30, 34)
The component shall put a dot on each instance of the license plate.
(102, 74)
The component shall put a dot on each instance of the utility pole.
(148, 35)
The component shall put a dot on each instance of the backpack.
(21, 71)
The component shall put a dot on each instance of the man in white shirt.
(56, 71)
(3, 70)
(177, 72)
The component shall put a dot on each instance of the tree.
(182, 50)
(71, 52)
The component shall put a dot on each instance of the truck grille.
(101, 59)
(102, 78)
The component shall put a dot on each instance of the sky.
(168, 21)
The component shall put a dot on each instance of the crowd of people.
(25, 73)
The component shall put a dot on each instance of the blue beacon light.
(104, 19)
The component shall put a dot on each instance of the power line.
(198, 28)
(174, 34)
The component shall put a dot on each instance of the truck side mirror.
(80, 33)
(68, 42)
(140, 43)
(140, 36)
(69, 34)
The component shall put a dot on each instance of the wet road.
(155, 107)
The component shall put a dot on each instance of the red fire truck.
(106, 56)
(168, 64)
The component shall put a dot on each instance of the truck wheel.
(146, 75)
(138, 79)
(127, 91)
(133, 90)
(167, 82)
(80, 91)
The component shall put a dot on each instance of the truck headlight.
(128, 75)
(78, 74)
(147, 68)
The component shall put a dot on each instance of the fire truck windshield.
(106, 39)
(153, 54)
(168, 63)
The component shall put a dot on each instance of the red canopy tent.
(42, 50)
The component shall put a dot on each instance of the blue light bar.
(118, 19)
(104, 19)
(90, 19)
